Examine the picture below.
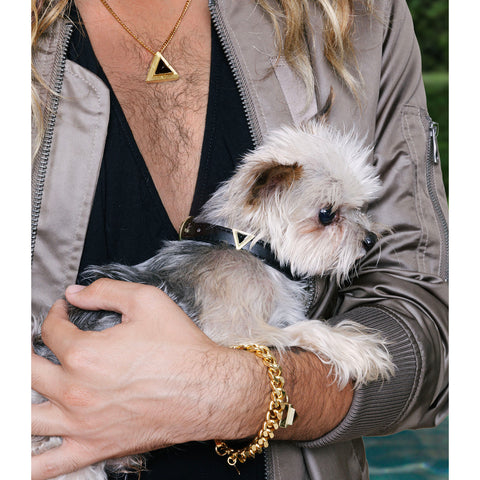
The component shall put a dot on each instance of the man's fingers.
(46, 420)
(68, 457)
(111, 295)
(47, 380)
(58, 333)
(56, 326)
(46, 377)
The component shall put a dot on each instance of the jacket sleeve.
(401, 288)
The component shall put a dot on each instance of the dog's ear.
(274, 178)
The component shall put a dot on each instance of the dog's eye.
(326, 216)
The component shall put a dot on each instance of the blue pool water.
(411, 455)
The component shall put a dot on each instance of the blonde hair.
(44, 13)
(290, 19)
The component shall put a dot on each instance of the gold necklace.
(160, 70)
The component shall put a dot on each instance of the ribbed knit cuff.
(378, 405)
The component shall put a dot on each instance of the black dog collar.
(215, 234)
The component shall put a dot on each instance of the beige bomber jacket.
(401, 288)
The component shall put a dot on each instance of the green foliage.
(404, 455)
(431, 26)
(430, 18)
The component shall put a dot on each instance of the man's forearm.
(319, 403)
(156, 374)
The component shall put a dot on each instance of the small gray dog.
(294, 209)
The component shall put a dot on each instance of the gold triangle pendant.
(160, 70)
(248, 237)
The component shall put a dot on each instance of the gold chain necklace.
(160, 70)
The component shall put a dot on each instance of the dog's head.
(304, 191)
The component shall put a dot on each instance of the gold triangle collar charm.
(160, 70)
(240, 244)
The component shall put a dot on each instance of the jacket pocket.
(420, 133)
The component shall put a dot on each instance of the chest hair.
(167, 120)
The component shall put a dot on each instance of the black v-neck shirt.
(128, 223)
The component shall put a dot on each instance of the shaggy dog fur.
(304, 192)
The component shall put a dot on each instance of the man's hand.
(156, 380)
(151, 381)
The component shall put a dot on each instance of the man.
(156, 380)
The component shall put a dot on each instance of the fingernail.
(72, 289)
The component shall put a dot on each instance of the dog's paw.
(354, 352)
(363, 355)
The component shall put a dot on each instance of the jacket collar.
(272, 92)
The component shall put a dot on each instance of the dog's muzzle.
(369, 241)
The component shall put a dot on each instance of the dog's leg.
(353, 351)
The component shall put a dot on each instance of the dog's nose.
(369, 241)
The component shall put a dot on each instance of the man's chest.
(167, 119)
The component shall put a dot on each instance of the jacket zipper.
(253, 126)
(40, 163)
(314, 289)
(268, 465)
(432, 161)
(227, 45)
